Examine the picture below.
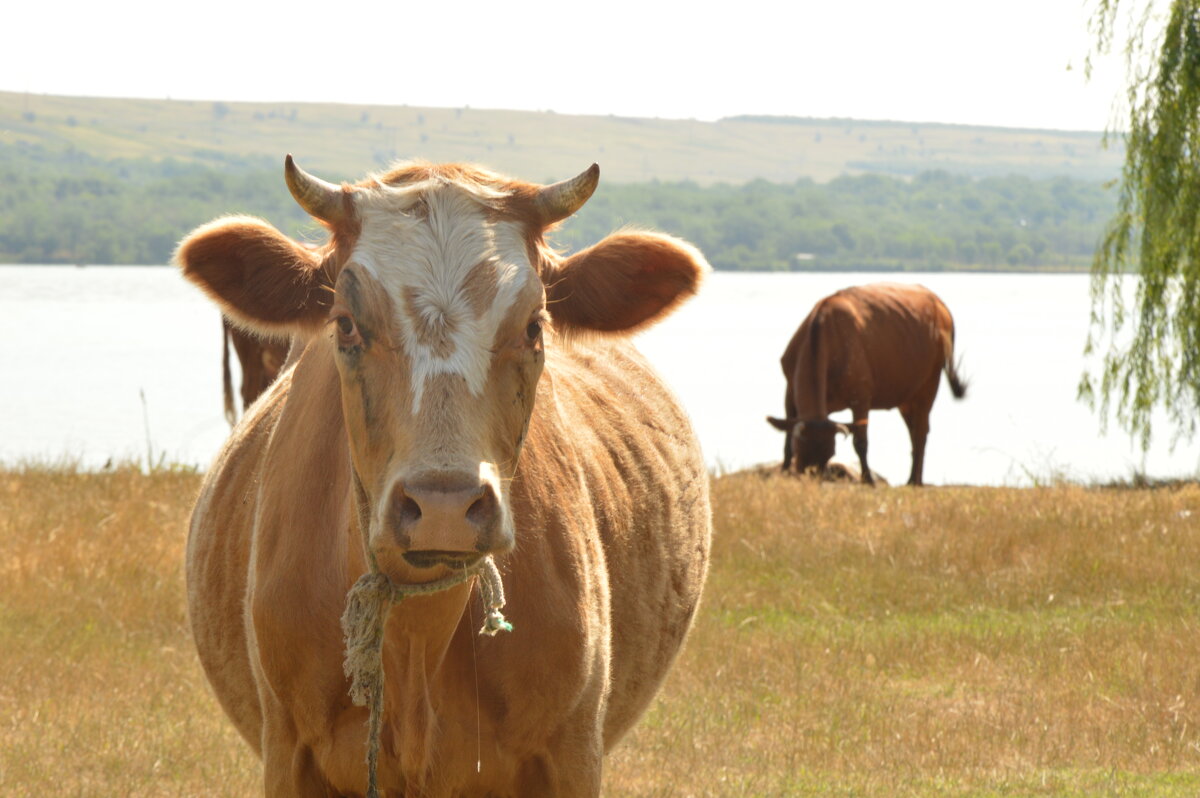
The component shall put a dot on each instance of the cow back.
(885, 341)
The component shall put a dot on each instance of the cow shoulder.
(258, 276)
(623, 283)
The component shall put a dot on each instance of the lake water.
(121, 363)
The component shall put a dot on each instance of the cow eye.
(347, 332)
(533, 330)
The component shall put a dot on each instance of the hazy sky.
(1016, 63)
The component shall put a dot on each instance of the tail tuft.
(958, 385)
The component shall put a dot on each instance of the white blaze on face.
(452, 273)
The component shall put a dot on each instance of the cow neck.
(811, 404)
(364, 624)
(812, 398)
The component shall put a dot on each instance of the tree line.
(75, 208)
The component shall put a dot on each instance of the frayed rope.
(492, 591)
(367, 607)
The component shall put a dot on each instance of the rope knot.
(495, 622)
(491, 589)
(367, 604)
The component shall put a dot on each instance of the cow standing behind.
(261, 360)
(870, 347)
(462, 391)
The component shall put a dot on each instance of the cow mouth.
(431, 558)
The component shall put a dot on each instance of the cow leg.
(789, 413)
(579, 779)
(917, 420)
(570, 766)
(288, 769)
(860, 446)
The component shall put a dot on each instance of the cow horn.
(322, 200)
(559, 200)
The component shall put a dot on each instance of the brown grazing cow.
(871, 347)
(463, 391)
(261, 360)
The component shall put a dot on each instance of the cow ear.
(257, 275)
(781, 424)
(624, 283)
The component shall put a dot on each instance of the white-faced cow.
(463, 391)
(866, 348)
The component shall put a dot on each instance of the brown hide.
(261, 360)
(609, 499)
(870, 347)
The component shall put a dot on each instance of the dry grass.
(102, 694)
(957, 641)
(943, 642)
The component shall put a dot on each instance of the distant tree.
(1020, 255)
(1150, 343)
(133, 210)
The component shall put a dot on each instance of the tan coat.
(605, 488)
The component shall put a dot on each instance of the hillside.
(344, 141)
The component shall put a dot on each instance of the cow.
(260, 359)
(464, 391)
(870, 347)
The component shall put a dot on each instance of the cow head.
(436, 297)
(813, 442)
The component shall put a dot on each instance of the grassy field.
(890, 642)
(345, 141)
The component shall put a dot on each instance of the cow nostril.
(483, 509)
(409, 512)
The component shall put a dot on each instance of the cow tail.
(227, 378)
(958, 385)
